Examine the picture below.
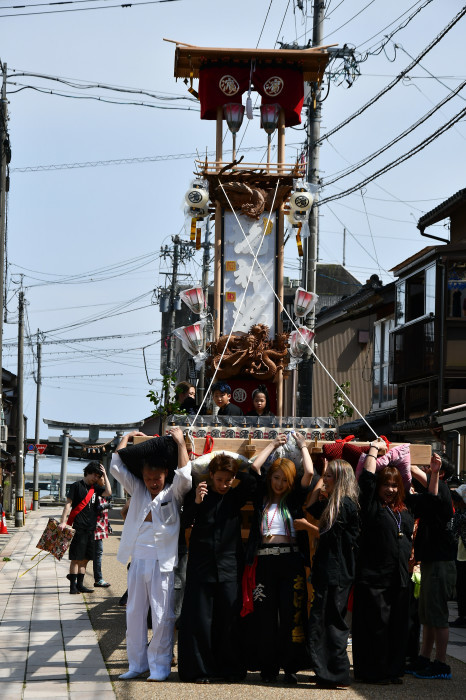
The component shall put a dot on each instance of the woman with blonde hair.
(280, 548)
(334, 502)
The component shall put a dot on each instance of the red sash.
(77, 509)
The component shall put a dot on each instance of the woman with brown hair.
(381, 592)
(279, 544)
(208, 640)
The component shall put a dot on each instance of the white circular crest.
(273, 86)
(239, 395)
(228, 85)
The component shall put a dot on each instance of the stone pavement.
(57, 646)
(48, 648)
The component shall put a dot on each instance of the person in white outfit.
(150, 538)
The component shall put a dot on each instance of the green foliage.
(164, 405)
(340, 408)
(6, 559)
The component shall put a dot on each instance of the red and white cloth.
(101, 530)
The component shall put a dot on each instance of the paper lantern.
(269, 117)
(194, 299)
(301, 201)
(299, 341)
(191, 338)
(233, 113)
(197, 196)
(304, 302)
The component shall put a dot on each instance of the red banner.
(219, 85)
(284, 86)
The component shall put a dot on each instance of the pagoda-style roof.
(189, 58)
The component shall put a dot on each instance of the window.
(457, 290)
(413, 352)
(383, 393)
(415, 296)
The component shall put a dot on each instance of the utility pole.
(205, 287)
(5, 155)
(19, 514)
(311, 244)
(36, 434)
(173, 292)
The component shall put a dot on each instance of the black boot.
(81, 587)
(72, 579)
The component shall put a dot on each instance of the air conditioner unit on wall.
(3, 433)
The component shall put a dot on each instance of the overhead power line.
(82, 9)
(58, 341)
(420, 146)
(391, 143)
(399, 77)
(128, 161)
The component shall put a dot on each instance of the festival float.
(253, 205)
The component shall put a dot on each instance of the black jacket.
(215, 546)
(334, 562)
(434, 540)
(383, 556)
(230, 410)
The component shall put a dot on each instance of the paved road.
(109, 622)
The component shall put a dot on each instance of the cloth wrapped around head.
(398, 456)
(159, 451)
(200, 466)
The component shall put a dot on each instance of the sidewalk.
(48, 648)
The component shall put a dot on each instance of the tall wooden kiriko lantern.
(248, 200)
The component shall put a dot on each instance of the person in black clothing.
(333, 570)
(435, 548)
(261, 402)
(381, 593)
(221, 394)
(82, 516)
(186, 397)
(278, 542)
(208, 641)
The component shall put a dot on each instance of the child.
(208, 643)
(280, 542)
(221, 393)
(261, 402)
(150, 538)
(333, 569)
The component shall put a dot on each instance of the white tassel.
(249, 113)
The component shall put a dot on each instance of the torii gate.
(94, 429)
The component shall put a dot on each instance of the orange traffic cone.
(3, 530)
(25, 510)
(32, 505)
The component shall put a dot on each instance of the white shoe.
(131, 674)
(157, 678)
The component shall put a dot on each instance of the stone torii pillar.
(93, 430)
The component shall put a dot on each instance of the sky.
(85, 242)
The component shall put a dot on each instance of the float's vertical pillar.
(64, 463)
(218, 232)
(280, 250)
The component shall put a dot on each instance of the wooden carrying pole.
(218, 234)
(280, 252)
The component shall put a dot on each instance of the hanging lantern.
(299, 340)
(197, 196)
(297, 217)
(301, 201)
(233, 113)
(269, 117)
(191, 338)
(194, 299)
(304, 302)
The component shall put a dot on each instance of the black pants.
(208, 639)
(414, 626)
(328, 634)
(380, 628)
(280, 613)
